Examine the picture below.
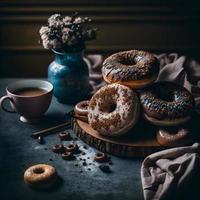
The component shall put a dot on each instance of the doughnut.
(172, 137)
(81, 108)
(40, 176)
(72, 147)
(67, 155)
(166, 104)
(58, 148)
(64, 136)
(113, 110)
(101, 157)
(81, 111)
(135, 69)
(80, 117)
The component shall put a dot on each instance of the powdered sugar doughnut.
(113, 110)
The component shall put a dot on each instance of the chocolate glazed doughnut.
(113, 110)
(135, 69)
(166, 104)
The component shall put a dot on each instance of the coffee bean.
(110, 163)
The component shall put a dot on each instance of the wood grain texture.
(156, 26)
(139, 142)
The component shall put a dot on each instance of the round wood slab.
(139, 142)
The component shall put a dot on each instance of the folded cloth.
(167, 171)
(182, 70)
(173, 67)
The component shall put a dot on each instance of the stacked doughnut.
(115, 108)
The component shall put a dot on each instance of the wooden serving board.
(139, 142)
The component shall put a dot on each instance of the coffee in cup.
(29, 98)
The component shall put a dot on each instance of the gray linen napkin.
(168, 171)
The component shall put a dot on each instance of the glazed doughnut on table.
(40, 176)
(172, 137)
(135, 69)
(113, 110)
(166, 104)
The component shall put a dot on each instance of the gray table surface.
(19, 151)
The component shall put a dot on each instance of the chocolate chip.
(85, 147)
(88, 157)
(83, 153)
(80, 171)
(84, 163)
(76, 165)
(50, 159)
(110, 163)
(89, 169)
(105, 168)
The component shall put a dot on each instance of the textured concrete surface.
(18, 151)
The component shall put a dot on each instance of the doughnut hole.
(128, 61)
(38, 170)
(108, 107)
(165, 95)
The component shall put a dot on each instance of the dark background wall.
(154, 25)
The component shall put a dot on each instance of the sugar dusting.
(124, 115)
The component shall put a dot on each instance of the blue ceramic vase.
(70, 77)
